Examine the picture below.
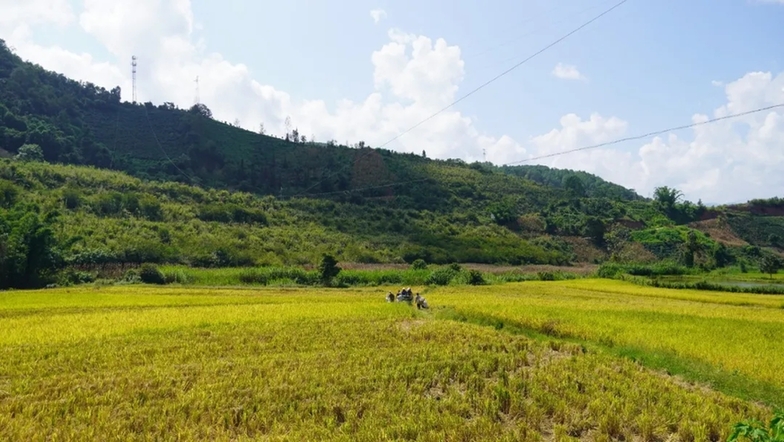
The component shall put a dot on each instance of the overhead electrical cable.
(648, 135)
(482, 86)
(594, 146)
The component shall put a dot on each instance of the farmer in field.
(421, 302)
(390, 297)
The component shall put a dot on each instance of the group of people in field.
(406, 295)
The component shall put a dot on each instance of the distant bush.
(75, 277)
(613, 270)
(131, 276)
(545, 276)
(419, 264)
(30, 152)
(72, 198)
(175, 277)
(442, 276)
(149, 274)
(254, 276)
(475, 278)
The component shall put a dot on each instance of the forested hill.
(188, 189)
(562, 178)
(80, 123)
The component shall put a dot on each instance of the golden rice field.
(147, 363)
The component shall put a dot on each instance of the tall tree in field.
(770, 265)
(328, 269)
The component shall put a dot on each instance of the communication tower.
(133, 76)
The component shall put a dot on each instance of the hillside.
(83, 124)
(179, 187)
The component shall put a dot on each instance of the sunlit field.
(148, 363)
(732, 340)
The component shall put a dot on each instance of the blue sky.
(645, 66)
(652, 62)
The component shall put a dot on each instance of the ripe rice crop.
(735, 339)
(152, 363)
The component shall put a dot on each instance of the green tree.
(30, 152)
(667, 198)
(575, 186)
(770, 265)
(328, 269)
(201, 109)
(595, 229)
(774, 240)
(691, 248)
(29, 256)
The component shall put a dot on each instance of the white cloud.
(378, 15)
(567, 72)
(729, 160)
(414, 77)
(34, 12)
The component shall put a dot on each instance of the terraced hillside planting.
(135, 362)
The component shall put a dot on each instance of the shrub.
(30, 152)
(253, 276)
(175, 277)
(441, 276)
(72, 198)
(545, 276)
(75, 277)
(609, 270)
(131, 276)
(419, 264)
(455, 267)
(149, 274)
(475, 277)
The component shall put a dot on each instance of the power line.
(380, 186)
(636, 137)
(485, 84)
(534, 32)
(649, 134)
(492, 80)
(160, 146)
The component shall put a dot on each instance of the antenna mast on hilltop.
(133, 76)
(198, 99)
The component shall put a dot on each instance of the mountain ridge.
(129, 183)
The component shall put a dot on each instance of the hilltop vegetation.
(187, 189)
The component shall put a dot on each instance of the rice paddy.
(176, 363)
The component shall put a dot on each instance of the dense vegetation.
(187, 189)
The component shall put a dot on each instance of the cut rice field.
(175, 363)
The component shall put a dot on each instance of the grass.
(195, 363)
